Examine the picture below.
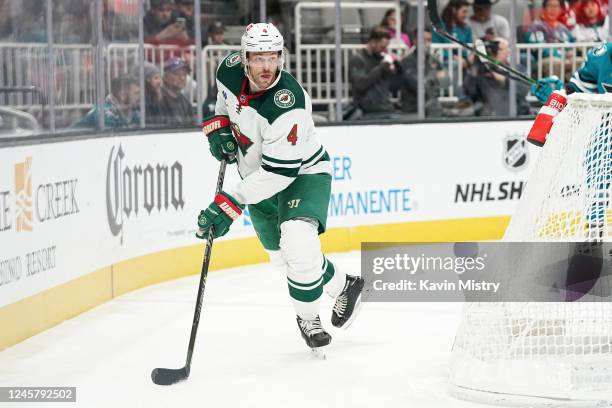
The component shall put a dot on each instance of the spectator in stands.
(570, 20)
(485, 24)
(454, 17)
(549, 29)
(184, 9)
(491, 89)
(216, 34)
(163, 26)
(373, 74)
(389, 21)
(154, 111)
(436, 78)
(177, 109)
(120, 107)
(591, 23)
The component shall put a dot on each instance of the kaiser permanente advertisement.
(70, 208)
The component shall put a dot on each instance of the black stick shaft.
(203, 276)
(432, 7)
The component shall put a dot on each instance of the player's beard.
(255, 87)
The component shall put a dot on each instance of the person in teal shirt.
(120, 106)
(455, 21)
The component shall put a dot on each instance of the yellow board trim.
(37, 313)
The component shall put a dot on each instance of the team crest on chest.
(243, 141)
(284, 98)
(232, 60)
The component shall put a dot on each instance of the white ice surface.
(248, 353)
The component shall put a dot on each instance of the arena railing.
(122, 57)
(26, 65)
(532, 57)
(317, 74)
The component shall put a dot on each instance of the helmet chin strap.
(254, 87)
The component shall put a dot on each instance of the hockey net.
(549, 354)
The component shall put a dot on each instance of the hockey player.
(263, 121)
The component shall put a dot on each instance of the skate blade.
(318, 353)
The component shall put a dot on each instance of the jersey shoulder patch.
(600, 50)
(231, 73)
(284, 97)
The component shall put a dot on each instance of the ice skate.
(348, 302)
(313, 333)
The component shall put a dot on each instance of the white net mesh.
(568, 193)
(549, 354)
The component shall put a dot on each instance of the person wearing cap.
(177, 110)
(487, 25)
(216, 34)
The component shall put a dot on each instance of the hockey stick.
(169, 376)
(432, 8)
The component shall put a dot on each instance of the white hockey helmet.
(262, 37)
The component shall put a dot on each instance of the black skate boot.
(313, 333)
(347, 301)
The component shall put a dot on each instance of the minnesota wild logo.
(243, 142)
(284, 98)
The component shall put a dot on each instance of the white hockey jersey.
(273, 129)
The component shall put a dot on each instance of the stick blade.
(169, 376)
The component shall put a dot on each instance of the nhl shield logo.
(515, 152)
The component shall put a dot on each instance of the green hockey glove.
(220, 214)
(220, 139)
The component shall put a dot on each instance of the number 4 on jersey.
(292, 136)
